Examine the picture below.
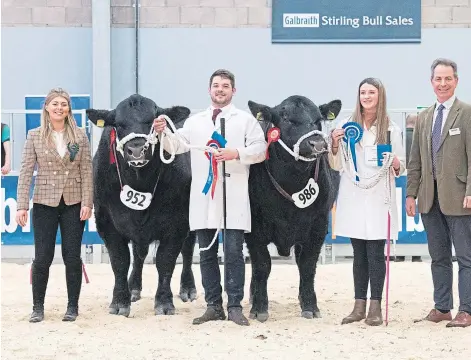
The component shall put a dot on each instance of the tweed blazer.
(453, 161)
(56, 176)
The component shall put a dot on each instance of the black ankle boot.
(38, 314)
(71, 313)
(235, 314)
(212, 313)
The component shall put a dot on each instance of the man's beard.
(224, 101)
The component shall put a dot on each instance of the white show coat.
(362, 213)
(243, 132)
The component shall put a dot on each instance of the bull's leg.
(135, 279)
(306, 259)
(166, 259)
(187, 280)
(261, 268)
(120, 258)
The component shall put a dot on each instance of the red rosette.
(112, 142)
(273, 135)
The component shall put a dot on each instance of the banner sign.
(346, 21)
(411, 230)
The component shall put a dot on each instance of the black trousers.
(234, 267)
(46, 220)
(443, 230)
(369, 266)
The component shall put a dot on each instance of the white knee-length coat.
(243, 132)
(362, 213)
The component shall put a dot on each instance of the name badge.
(455, 131)
(371, 155)
(305, 197)
(134, 199)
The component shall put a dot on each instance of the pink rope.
(85, 273)
(388, 252)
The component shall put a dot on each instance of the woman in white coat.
(362, 213)
(245, 145)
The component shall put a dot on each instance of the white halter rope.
(368, 182)
(295, 151)
(151, 139)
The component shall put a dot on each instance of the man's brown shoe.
(436, 316)
(462, 319)
(211, 314)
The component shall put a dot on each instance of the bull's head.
(297, 116)
(132, 120)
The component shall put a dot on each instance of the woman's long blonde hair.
(382, 118)
(70, 135)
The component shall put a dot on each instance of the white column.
(101, 29)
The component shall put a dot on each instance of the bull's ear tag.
(330, 116)
(100, 123)
(259, 116)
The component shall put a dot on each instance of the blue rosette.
(353, 134)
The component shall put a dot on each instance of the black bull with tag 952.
(135, 166)
(291, 199)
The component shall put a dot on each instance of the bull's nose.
(318, 145)
(134, 151)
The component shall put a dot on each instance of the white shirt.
(60, 142)
(447, 104)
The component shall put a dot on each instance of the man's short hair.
(444, 62)
(225, 74)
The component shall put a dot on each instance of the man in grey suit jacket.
(439, 177)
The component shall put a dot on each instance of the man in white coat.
(245, 145)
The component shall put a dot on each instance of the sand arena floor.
(98, 335)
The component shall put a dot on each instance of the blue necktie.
(436, 136)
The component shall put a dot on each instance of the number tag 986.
(134, 199)
(306, 196)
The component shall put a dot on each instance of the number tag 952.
(305, 197)
(134, 199)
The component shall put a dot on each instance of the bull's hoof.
(120, 309)
(317, 314)
(135, 295)
(307, 314)
(188, 294)
(164, 309)
(260, 316)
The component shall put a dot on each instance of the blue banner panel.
(411, 230)
(346, 21)
(13, 234)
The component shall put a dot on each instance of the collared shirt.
(447, 104)
(224, 110)
(61, 146)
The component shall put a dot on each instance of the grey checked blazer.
(56, 176)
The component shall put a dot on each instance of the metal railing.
(16, 120)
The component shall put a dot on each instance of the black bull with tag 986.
(291, 198)
(140, 199)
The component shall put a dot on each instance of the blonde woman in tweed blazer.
(63, 193)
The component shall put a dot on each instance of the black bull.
(305, 229)
(165, 219)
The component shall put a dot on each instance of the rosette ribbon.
(353, 134)
(273, 135)
(217, 141)
(112, 143)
